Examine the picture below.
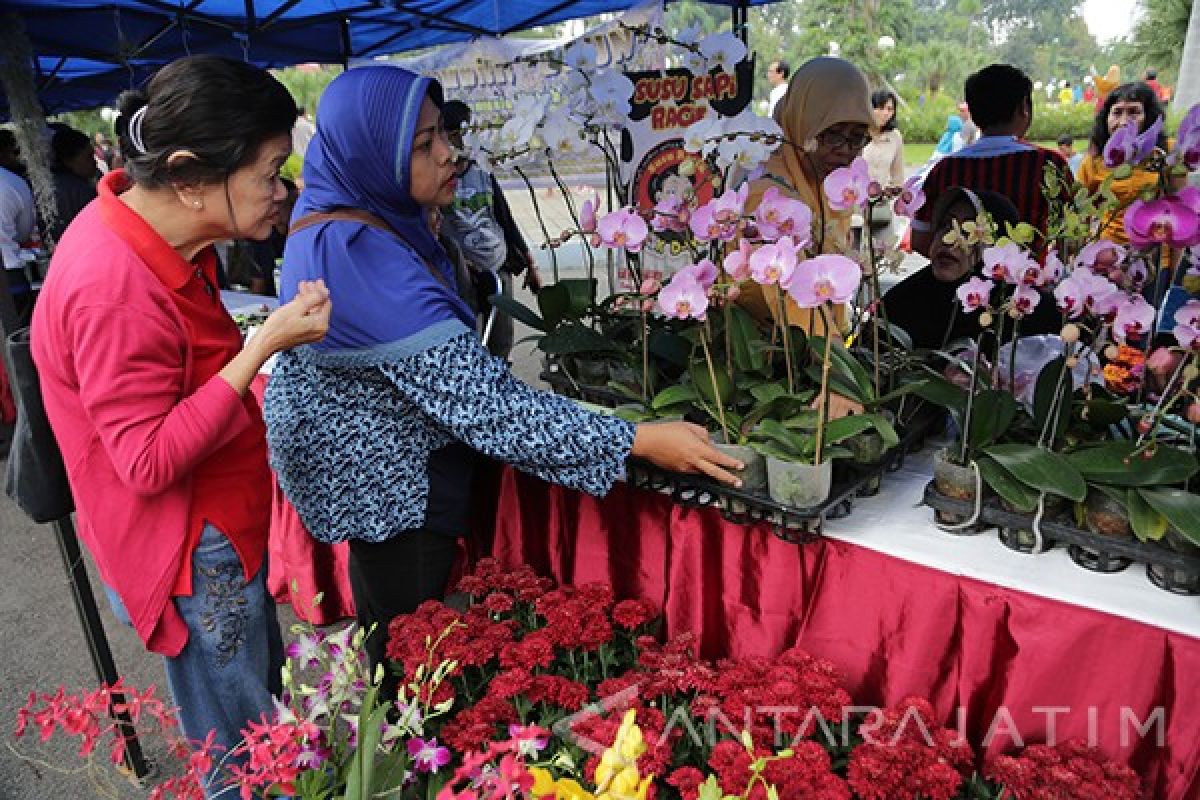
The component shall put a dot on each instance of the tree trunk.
(1187, 90)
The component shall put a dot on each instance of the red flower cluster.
(806, 774)
(1069, 771)
(274, 753)
(909, 754)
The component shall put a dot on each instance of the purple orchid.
(683, 298)
(530, 739)
(975, 294)
(1187, 146)
(824, 279)
(1101, 256)
(1086, 292)
(587, 216)
(1024, 300)
(428, 756)
(305, 650)
(1008, 262)
(703, 272)
(727, 209)
(1147, 141)
(847, 187)
(1122, 146)
(1166, 220)
(670, 215)
(1134, 317)
(773, 264)
(1187, 325)
(911, 197)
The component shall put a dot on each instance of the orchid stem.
(712, 375)
(822, 395)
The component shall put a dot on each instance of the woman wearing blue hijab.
(372, 430)
(952, 140)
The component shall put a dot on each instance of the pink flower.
(773, 264)
(1008, 262)
(703, 272)
(1190, 197)
(1134, 317)
(824, 279)
(1187, 147)
(1101, 256)
(1086, 292)
(427, 756)
(1121, 147)
(779, 215)
(670, 215)
(683, 298)
(704, 223)
(1167, 220)
(911, 198)
(975, 294)
(1148, 140)
(846, 187)
(649, 287)
(623, 228)
(587, 216)
(530, 739)
(727, 209)
(1025, 299)
(1187, 325)
(737, 263)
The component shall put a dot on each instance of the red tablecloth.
(999, 658)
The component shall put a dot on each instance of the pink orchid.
(1086, 292)
(427, 756)
(703, 272)
(707, 225)
(727, 209)
(670, 215)
(623, 228)
(1190, 197)
(1121, 147)
(587, 216)
(1148, 140)
(975, 294)
(1134, 317)
(737, 263)
(773, 264)
(1135, 276)
(1024, 300)
(683, 298)
(824, 279)
(911, 198)
(1187, 147)
(1166, 220)
(779, 215)
(1101, 256)
(1187, 325)
(846, 187)
(1007, 262)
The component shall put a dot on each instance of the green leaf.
(1048, 391)
(745, 341)
(1040, 469)
(1115, 463)
(841, 429)
(673, 395)
(991, 415)
(575, 338)
(942, 392)
(1148, 525)
(581, 295)
(519, 312)
(845, 369)
(702, 379)
(783, 442)
(554, 301)
(1002, 482)
(1182, 509)
(766, 392)
(1101, 412)
(671, 348)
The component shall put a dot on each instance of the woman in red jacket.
(145, 380)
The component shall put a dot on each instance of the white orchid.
(749, 123)
(742, 153)
(701, 136)
(611, 91)
(581, 56)
(562, 134)
(722, 51)
(693, 62)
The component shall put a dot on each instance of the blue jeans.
(229, 670)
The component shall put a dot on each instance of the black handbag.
(36, 479)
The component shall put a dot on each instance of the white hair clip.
(135, 129)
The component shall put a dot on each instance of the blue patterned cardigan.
(350, 432)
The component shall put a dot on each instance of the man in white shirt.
(16, 216)
(777, 76)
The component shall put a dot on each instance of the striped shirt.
(1000, 164)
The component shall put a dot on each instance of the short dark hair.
(879, 99)
(1066, 138)
(218, 108)
(68, 143)
(1136, 92)
(782, 68)
(996, 93)
(1151, 74)
(455, 114)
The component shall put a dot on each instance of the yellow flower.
(543, 783)
(571, 790)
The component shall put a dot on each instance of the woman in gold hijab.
(826, 120)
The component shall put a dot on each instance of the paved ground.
(43, 646)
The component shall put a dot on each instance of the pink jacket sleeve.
(131, 387)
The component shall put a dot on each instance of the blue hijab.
(954, 124)
(382, 289)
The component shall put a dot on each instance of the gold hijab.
(822, 93)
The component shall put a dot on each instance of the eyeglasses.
(839, 141)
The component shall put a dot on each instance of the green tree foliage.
(1157, 40)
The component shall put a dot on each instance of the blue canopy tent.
(87, 53)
